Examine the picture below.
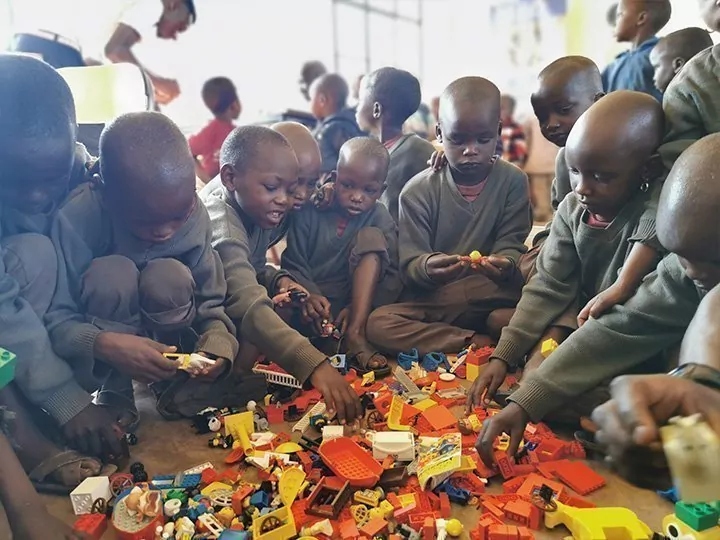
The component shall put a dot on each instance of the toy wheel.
(360, 514)
(542, 504)
(374, 418)
(221, 497)
(99, 506)
(120, 483)
(270, 524)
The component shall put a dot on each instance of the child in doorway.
(258, 178)
(475, 203)
(220, 96)
(388, 97)
(611, 153)
(637, 22)
(512, 134)
(674, 51)
(346, 256)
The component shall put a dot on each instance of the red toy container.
(350, 462)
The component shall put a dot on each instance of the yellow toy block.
(598, 523)
(387, 509)
(676, 529)
(234, 421)
(467, 464)
(277, 525)
(207, 490)
(290, 484)
(368, 378)
(407, 499)
(425, 404)
(394, 415)
(548, 347)
(475, 423)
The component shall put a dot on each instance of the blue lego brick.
(405, 360)
(699, 516)
(260, 500)
(7, 367)
(670, 495)
(229, 534)
(180, 481)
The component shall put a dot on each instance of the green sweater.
(436, 218)
(651, 321)
(561, 185)
(576, 262)
(408, 157)
(242, 247)
(692, 104)
(83, 231)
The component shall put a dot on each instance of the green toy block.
(7, 367)
(699, 516)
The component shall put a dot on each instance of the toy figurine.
(143, 502)
(292, 297)
(138, 472)
(329, 330)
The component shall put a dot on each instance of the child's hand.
(445, 268)
(511, 420)
(93, 431)
(437, 161)
(343, 319)
(496, 268)
(140, 358)
(323, 196)
(489, 381)
(210, 372)
(315, 309)
(613, 295)
(339, 397)
(285, 286)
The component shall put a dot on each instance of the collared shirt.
(632, 70)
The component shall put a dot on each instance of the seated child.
(512, 134)
(475, 203)
(336, 122)
(613, 165)
(40, 162)
(388, 97)
(346, 256)
(653, 320)
(139, 277)
(220, 96)
(258, 176)
(637, 22)
(674, 51)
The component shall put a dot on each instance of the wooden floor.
(169, 447)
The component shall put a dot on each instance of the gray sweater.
(242, 246)
(408, 157)
(435, 218)
(561, 185)
(83, 231)
(577, 262)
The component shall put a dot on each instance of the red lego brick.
(348, 529)
(274, 415)
(433, 499)
(579, 477)
(534, 482)
(499, 532)
(523, 468)
(373, 527)
(504, 464)
(445, 509)
(403, 515)
(493, 509)
(547, 469)
(393, 499)
(576, 450)
(550, 449)
(512, 485)
(578, 502)
(208, 476)
(428, 530)
(525, 534)
(93, 525)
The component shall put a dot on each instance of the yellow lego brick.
(467, 464)
(475, 422)
(407, 499)
(425, 404)
(675, 528)
(598, 523)
(472, 372)
(548, 347)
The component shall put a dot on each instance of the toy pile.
(394, 477)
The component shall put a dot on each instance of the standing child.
(346, 257)
(220, 96)
(637, 22)
(336, 122)
(388, 97)
(475, 203)
(674, 51)
(512, 134)
(258, 178)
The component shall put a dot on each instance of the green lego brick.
(7, 367)
(699, 516)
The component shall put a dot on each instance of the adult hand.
(490, 379)
(94, 432)
(140, 358)
(511, 420)
(445, 268)
(339, 396)
(494, 267)
(166, 90)
(613, 295)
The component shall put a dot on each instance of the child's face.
(626, 28)
(558, 104)
(358, 185)
(705, 274)
(266, 188)
(664, 65)
(318, 103)
(366, 104)
(308, 177)
(235, 109)
(35, 172)
(710, 13)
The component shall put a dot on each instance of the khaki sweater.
(83, 231)
(408, 157)
(242, 247)
(436, 218)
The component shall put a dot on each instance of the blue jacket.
(632, 70)
(332, 132)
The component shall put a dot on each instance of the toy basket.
(350, 462)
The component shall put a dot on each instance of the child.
(475, 202)
(653, 320)
(220, 96)
(39, 163)
(637, 23)
(336, 123)
(611, 156)
(346, 257)
(388, 97)
(674, 50)
(512, 135)
(138, 273)
(258, 175)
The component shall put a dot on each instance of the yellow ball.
(475, 256)
(454, 527)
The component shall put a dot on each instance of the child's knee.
(376, 326)
(368, 241)
(110, 285)
(32, 261)
(167, 294)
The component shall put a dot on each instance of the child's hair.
(371, 149)
(312, 70)
(478, 91)
(568, 66)
(240, 148)
(35, 101)
(335, 87)
(398, 91)
(659, 13)
(686, 43)
(219, 94)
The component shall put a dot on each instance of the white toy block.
(90, 490)
(399, 444)
(333, 432)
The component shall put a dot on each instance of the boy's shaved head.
(360, 177)
(634, 14)
(674, 50)
(308, 157)
(397, 90)
(242, 147)
(469, 91)
(333, 86)
(579, 71)
(367, 149)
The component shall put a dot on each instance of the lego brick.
(428, 529)
(494, 510)
(534, 482)
(7, 367)
(89, 490)
(348, 529)
(699, 516)
(512, 485)
(403, 515)
(579, 477)
(525, 534)
(445, 508)
(440, 417)
(373, 527)
(504, 464)
(92, 525)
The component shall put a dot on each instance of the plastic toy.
(277, 525)
(92, 525)
(395, 415)
(7, 367)
(548, 347)
(90, 490)
(138, 472)
(350, 462)
(274, 374)
(317, 409)
(326, 501)
(400, 445)
(454, 527)
(692, 522)
(192, 363)
(369, 497)
(475, 358)
(329, 330)
(412, 392)
(475, 257)
(699, 516)
(128, 527)
(431, 361)
(406, 360)
(692, 449)
(333, 432)
(579, 476)
(597, 523)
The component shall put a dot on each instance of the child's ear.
(377, 110)
(438, 132)
(642, 18)
(598, 96)
(677, 64)
(654, 168)
(227, 177)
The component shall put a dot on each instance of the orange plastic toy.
(350, 462)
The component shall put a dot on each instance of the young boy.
(346, 257)
(637, 22)
(220, 96)
(674, 50)
(512, 134)
(612, 159)
(138, 272)
(39, 163)
(653, 320)
(336, 123)
(388, 97)
(474, 203)
(258, 176)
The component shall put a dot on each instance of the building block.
(349, 530)
(504, 464)
(445, 508)
(373, 527)
(598, 523)
(579, 476)
(7, 367)
(89, 490)
(93, 525)
(400, 445)
(676, 529)
(698, 516)
(286, 529)
(403, 515)
(525, 534)
(428, 529)
(534, 482)
(440, 417)
(524, 513)
(494, 510)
